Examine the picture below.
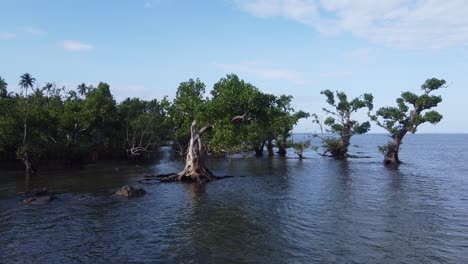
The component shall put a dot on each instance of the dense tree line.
(86, 123)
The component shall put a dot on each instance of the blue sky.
(145, 48)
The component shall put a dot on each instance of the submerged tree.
(299, 147)
(232, 105)
(407, 116)
(285, 119)
(195, 169)
(341, 123)
(188, 105)
(145, 124)
(247, 119)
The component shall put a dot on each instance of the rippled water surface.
(317, 210)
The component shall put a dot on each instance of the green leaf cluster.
(339, 120)
(411, 111)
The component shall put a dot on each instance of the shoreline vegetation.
(85, 124)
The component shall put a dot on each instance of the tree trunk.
(270, 148)
(259, 150)
(30, 169)
(342, 151)
(391, 156)
(25, 130)
(195, 170)
(281, 151)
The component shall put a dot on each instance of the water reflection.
(315, 210)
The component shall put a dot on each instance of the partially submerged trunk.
(259, 150)
(299, 153)
(23, 155)
(195, 169)
(342, 151)
(391, 157)
(270, 148)
(281, 151)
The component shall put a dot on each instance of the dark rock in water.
(85, 197)
(39, 199)
(129, 191)
(39, 196)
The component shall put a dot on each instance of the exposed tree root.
(195, 169)
(175, 177)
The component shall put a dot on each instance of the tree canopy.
(86, 124)
(411, 111)
(339, 121)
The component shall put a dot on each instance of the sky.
(145, 48)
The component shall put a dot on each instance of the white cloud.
(7, 35)
(261, 71)
(34, 31)
(416, 24)
(71, 45)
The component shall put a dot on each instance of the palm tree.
(82, 89)
(3, 88)
(26, 81)
(47, 88)
(72, 95)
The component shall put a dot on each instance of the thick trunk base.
(195, 170)
(340, 154)
(392, 159)
(282, 151)
(198, 177)
(29, 167)
(270, 149)
(258, 152)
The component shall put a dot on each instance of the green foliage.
(387, 148)
(27, 81)
(146, 124)
(189, 104)
(63, 125)
(410, 112)
(299, 147)
(82, 89)
(267, 117)
(3, 88)
(11, 124)
(340, 122)
(232, 96)
(87, 121)
(332, 145)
